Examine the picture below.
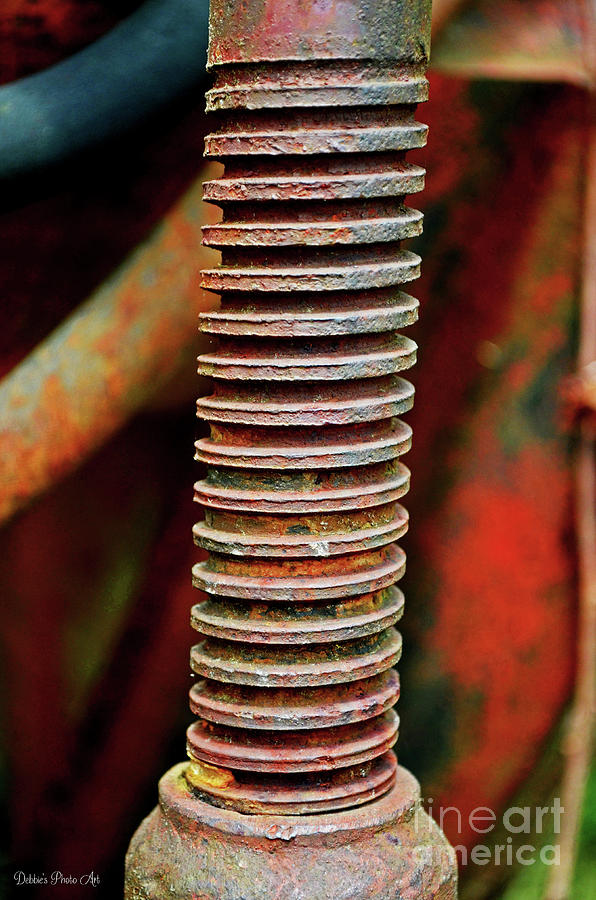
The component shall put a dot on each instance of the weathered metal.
(302, 463)
(386, 849)
(525, 40)
(305, 370)
(579, 394)
(63, 595)
(104, 362)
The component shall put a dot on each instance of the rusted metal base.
(389, 849)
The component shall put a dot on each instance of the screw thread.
(303, 471)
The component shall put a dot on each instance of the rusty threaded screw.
(301, 511)
(315, 103)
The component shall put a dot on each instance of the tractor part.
(54, 413)
(292, 789)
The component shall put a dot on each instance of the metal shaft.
(303, 463)
(293, 790)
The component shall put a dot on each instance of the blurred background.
(101, 131)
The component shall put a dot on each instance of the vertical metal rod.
(303, 471)
(314, 109)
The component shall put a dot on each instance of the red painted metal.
(498, 438)
(530, 40)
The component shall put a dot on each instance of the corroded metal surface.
(388, 849)
(303, 470)
(546, 138)
(336, 29)
(104, 362)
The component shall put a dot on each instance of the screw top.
(266, 30)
